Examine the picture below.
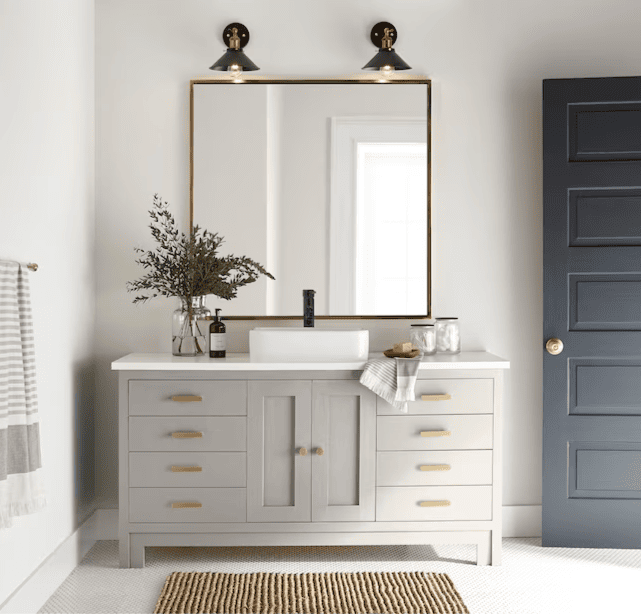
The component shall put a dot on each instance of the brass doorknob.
(302, 451)
(554, 346)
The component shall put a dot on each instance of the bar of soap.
(403, 348)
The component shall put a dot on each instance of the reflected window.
(379, 254)
(391, 221)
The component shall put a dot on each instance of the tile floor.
(532, 580)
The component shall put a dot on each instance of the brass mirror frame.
(371, 81)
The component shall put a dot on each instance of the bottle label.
(217, 342)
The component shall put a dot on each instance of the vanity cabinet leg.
(123, 548)
(137, 553)
(497, 548)
(484, 549)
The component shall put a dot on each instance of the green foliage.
(189, 265)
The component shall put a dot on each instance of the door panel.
(605, 470)
(592, 302)
(617, 470)
(604, 132)
(343, 421)
(279, 439)
(605, 217)
(278, 476)
(605, 386)
(344, 427)
(610, 301)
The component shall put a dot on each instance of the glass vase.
(189, 328)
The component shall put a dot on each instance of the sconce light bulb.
(387, 71)
(236, 73)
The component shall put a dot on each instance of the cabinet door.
(278, 427)
(344, 429)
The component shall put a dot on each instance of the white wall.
(486, 59)
(47, 217)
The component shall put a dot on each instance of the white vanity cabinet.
(233, 453)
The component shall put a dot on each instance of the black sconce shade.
(233, 57)
(387, 57)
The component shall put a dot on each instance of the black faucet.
(308, 307)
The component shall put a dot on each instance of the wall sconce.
(386, 60)
(234, 60)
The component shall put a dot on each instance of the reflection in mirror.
(324, 183)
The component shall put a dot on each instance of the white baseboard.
(44, 581)
(518, 521)
(522, 521)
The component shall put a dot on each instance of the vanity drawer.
(187, 397)
(442, 468)
(463, 503)
(180, 434)
(216, 505)
(188, 469)
(466, 396)
(466, 432)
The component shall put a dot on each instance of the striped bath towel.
(20, 480)
(392, 379)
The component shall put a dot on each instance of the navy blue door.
(592, 305)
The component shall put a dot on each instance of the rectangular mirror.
(326, 184)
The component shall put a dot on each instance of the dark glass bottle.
(217, 337)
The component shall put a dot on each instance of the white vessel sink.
(301, 344)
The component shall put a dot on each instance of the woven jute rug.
(311, 593)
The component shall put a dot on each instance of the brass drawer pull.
(187, 435)
(434, 504)
(436, 433)
(302, 451)
(320, 451)
(186, 504)
(186, 398)
(436, 397)
(435, 467)
(181, 469)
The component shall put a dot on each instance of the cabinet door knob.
(554, 346)
(302, 451)
(320, 451)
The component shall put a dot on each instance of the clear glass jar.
(448, 336)
(423, 336)
(190, 327)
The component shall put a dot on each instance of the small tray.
(392, 354)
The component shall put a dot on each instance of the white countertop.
(241, 362)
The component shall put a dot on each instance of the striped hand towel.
(21, 490)
(392, 379)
